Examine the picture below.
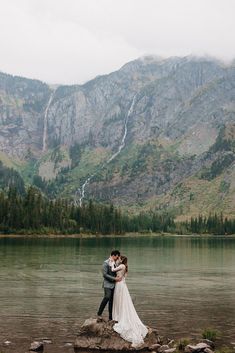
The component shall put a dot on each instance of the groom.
(108, 284)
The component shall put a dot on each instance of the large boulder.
(96, 336)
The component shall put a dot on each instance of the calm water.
(179, 285)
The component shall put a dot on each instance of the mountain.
(158, 133)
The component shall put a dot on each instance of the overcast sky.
(72, 41)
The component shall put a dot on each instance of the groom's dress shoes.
(99, 318)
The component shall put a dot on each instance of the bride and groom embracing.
(121, 308)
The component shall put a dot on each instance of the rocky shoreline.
(99, 336)
(95, 336)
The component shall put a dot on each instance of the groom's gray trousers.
(108, 285)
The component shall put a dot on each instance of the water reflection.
(179, 284)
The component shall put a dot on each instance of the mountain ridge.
(67, 135)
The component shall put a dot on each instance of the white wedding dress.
(129, 325)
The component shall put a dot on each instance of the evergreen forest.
(31, 212)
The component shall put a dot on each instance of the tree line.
(213, 224)
(32, 212)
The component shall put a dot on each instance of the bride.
(128, 325)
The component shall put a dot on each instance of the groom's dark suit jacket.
(109, 275)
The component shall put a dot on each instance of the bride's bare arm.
(116, 269)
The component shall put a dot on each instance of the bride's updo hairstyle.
(124, 261)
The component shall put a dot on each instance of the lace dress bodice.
(121, 271)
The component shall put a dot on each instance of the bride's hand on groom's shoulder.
(111, 263)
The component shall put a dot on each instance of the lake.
(49, 286)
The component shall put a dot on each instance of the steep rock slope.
(22, 106)
(164, 116)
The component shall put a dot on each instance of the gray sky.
(72, 41)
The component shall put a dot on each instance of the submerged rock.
(36, 346)
(99, 336)
(7, 343)
(68, 344)
(47, 341)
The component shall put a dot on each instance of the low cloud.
(72, 41)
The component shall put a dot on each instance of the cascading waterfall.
(81, 191)
(44, 141)
(122, 145)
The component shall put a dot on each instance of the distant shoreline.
(95, 236)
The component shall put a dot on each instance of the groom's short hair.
(115, 253)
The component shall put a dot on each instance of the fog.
(72, 41)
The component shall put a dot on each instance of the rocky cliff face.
(144, 134)
(22, 105)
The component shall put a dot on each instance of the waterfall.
(44, 141)
(122, 145)
(81, 191)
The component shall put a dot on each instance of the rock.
(47, 340)
(171, 342)
(160, 340)
(99, 336)
(155, 346)
(163, 348)
(68, 344)
(200, 347)
(7, 343)
(208, 350)
(171, 350)
(36, 346)
(209, 342)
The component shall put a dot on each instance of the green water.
(179, 285)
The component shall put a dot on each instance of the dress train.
(129, 325)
